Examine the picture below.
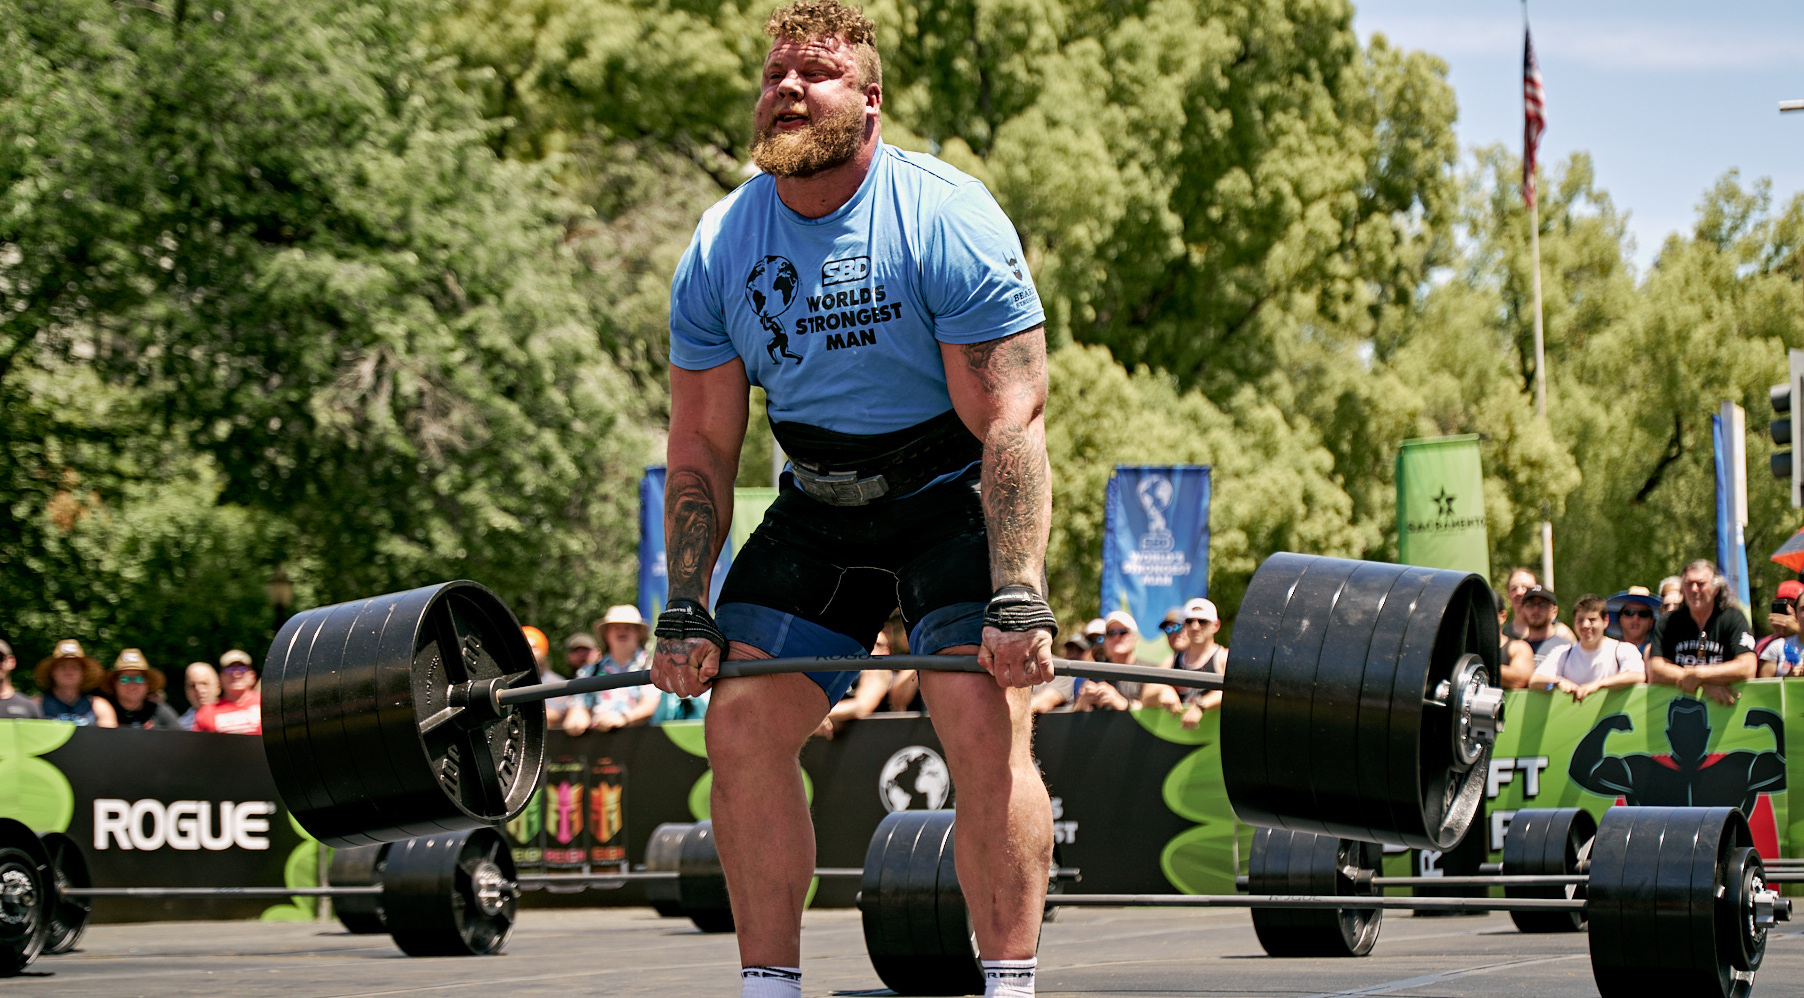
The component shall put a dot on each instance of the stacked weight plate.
(68, 915)
(359, 866)
(363, 736)
(1328, 724)
(916, 927)
(451, 894)
(27, 894)
(1548, 841)
(1299, 863)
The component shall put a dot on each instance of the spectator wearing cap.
(1093, 633)
(1782, 653)
(1516, 587)
(1595, 662)
(66, 678)
(541, 662)
(130, 687)
(623, 630)
(1518, 658)
(1705, 645)
(12, 702)
(200, 684)
(1634, 611)
(239, 709)
(1540, 613)
(1201, 621)
(1120, 639)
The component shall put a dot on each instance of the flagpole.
(1534, 242)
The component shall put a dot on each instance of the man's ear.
(873, 96)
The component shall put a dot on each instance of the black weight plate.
(955, 940)
(1300, 863)
(920, 886)
(285, 744)
(1450, 620)
(1640, 855)
(1547, 841)
(870, 888)
(1291, 689)
(701, 884)
(917, 931)
(358, 866)
(1335, 720)
(27, 894)
(357, 706)
(410, 645)
(433, 893)
(1245, 689)
(1373, 750)
(662, 853)
(351, 802)
(1738, 936)
(1687, 855)
(68, 916)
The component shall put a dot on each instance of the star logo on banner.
(1443, 503)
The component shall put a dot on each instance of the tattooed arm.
(708, 412)
(999, 390)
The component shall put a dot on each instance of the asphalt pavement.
(1134, 953)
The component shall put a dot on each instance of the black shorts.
(815, 579)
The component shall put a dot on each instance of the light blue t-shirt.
(839, 319)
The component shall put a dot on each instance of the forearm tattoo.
(691, 533)
(1017, 491)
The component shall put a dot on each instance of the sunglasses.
(228, 670)
(132, 680)
(1637, 612)
(1171, 627)
(1117, 632)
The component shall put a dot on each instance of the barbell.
(1677, 899)
(1361, 704)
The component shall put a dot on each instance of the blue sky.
(1665, 96)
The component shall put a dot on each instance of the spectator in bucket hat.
(65, 678)
(131, 688)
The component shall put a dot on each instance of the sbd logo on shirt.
(770, 289)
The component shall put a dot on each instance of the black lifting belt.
(844, 469)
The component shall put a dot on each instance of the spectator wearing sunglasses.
(1782, 654)
(130, 686)
(239, 710)
(1120, 639)
(1200, 622)
(1633, 612)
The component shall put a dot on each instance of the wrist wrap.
(1019, 608)
(684, 619)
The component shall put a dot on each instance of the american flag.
(1534, 116)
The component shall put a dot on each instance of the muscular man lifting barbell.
(880, 300)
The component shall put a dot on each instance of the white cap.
(1123, 618)
(1201, 609)
(1095, 627)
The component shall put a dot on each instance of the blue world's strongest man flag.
(1155, 547)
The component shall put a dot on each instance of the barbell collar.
(504, 697)
(1336, 901)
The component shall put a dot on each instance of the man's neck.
(828, 191)
(6, 686)
(1701, 617)
(1199, 651)
(1595, 644)
(1541, 633)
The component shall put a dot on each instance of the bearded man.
(879, 299)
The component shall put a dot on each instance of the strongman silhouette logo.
(1689, 777)
(770, 289)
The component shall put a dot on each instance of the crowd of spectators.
(73, 686)
(1691, 635)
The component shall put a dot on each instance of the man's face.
(67, 673)
(811, 113)
(623, 642)
(1177, 636)
(202, 687)
(579, 656)
(1538, 613)
(1589, 626)
(1119, 641)
(1636, 621)
(1699, 589)
(238, 680)
(1519, 583)
(131, 687)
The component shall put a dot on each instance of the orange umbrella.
(1791, 553)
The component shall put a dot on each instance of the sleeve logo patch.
(852, 268)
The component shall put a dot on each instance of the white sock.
(1008, 978)
(770, 982)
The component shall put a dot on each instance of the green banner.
(1441, 505)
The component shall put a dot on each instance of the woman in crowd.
(66, 677)
(623, 632)
(1634, 611)
(130, 688)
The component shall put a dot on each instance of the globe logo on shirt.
(771, 286)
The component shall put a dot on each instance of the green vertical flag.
(1441, 505)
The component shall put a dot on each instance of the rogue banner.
(1155, 547)
(1441, 505)
(654, 587)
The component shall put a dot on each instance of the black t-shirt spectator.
(19, 705)
(161, 713)
(1678, 639)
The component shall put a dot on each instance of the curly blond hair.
(804, 20)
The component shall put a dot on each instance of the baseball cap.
(1540, 592)
(1123, 618)
(581, 639)
(1094, 628)
(237, 656)
(1791, 589)
(1201, 609)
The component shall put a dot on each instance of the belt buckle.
(840, 488)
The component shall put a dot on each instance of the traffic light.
(1788, 431)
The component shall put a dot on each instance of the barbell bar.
(419, 712)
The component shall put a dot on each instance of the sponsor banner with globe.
(1155, 548)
